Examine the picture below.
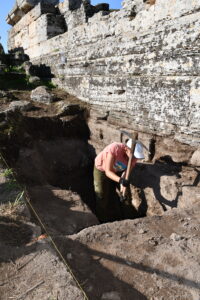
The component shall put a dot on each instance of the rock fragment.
(20, 105)
(42, 95)
(175, 237)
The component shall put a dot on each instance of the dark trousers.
(108, 206)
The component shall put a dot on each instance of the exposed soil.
(52, 246)
(59, 190)
(14, 233)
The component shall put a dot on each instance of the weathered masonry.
(140, 63)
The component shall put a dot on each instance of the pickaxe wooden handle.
(128, 170)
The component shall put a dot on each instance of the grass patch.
(46, 83)
(19, 81)
(17, 69)
(12, 193)
(9, 207)
(11, 183)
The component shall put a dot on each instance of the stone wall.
(141, 63)
(21, 7)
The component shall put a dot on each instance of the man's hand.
(124, 182)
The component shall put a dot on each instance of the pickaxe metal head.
(134, 139)
(133, 136)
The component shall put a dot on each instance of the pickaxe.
(133, 137)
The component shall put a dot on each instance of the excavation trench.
(54, 161)
(52, 152)
(53, 156)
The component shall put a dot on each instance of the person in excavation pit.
(109, 168)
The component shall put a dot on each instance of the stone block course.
(21, 7)
(142, 60)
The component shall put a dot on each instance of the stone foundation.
(140, 64)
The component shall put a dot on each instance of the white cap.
(138, 153)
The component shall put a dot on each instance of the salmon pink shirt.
(120, 159)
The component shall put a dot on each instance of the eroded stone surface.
(190, 196)
(140, 63)
(41, 94)
(34, 79)
(21, 7)
(195, 159)
(20, 105)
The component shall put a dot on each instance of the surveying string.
(43, 226)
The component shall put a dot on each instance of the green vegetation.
(12, 194)
(17, 69)
(19, 199)
(48, 84)
(11, 183)
(11, 203)
(61, 77)
(20, 81)
(12, 128)
(8, 173)
(114, 9)
(15, 78)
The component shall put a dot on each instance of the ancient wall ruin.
(140, 63)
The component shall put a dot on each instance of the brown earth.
(148, 258)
